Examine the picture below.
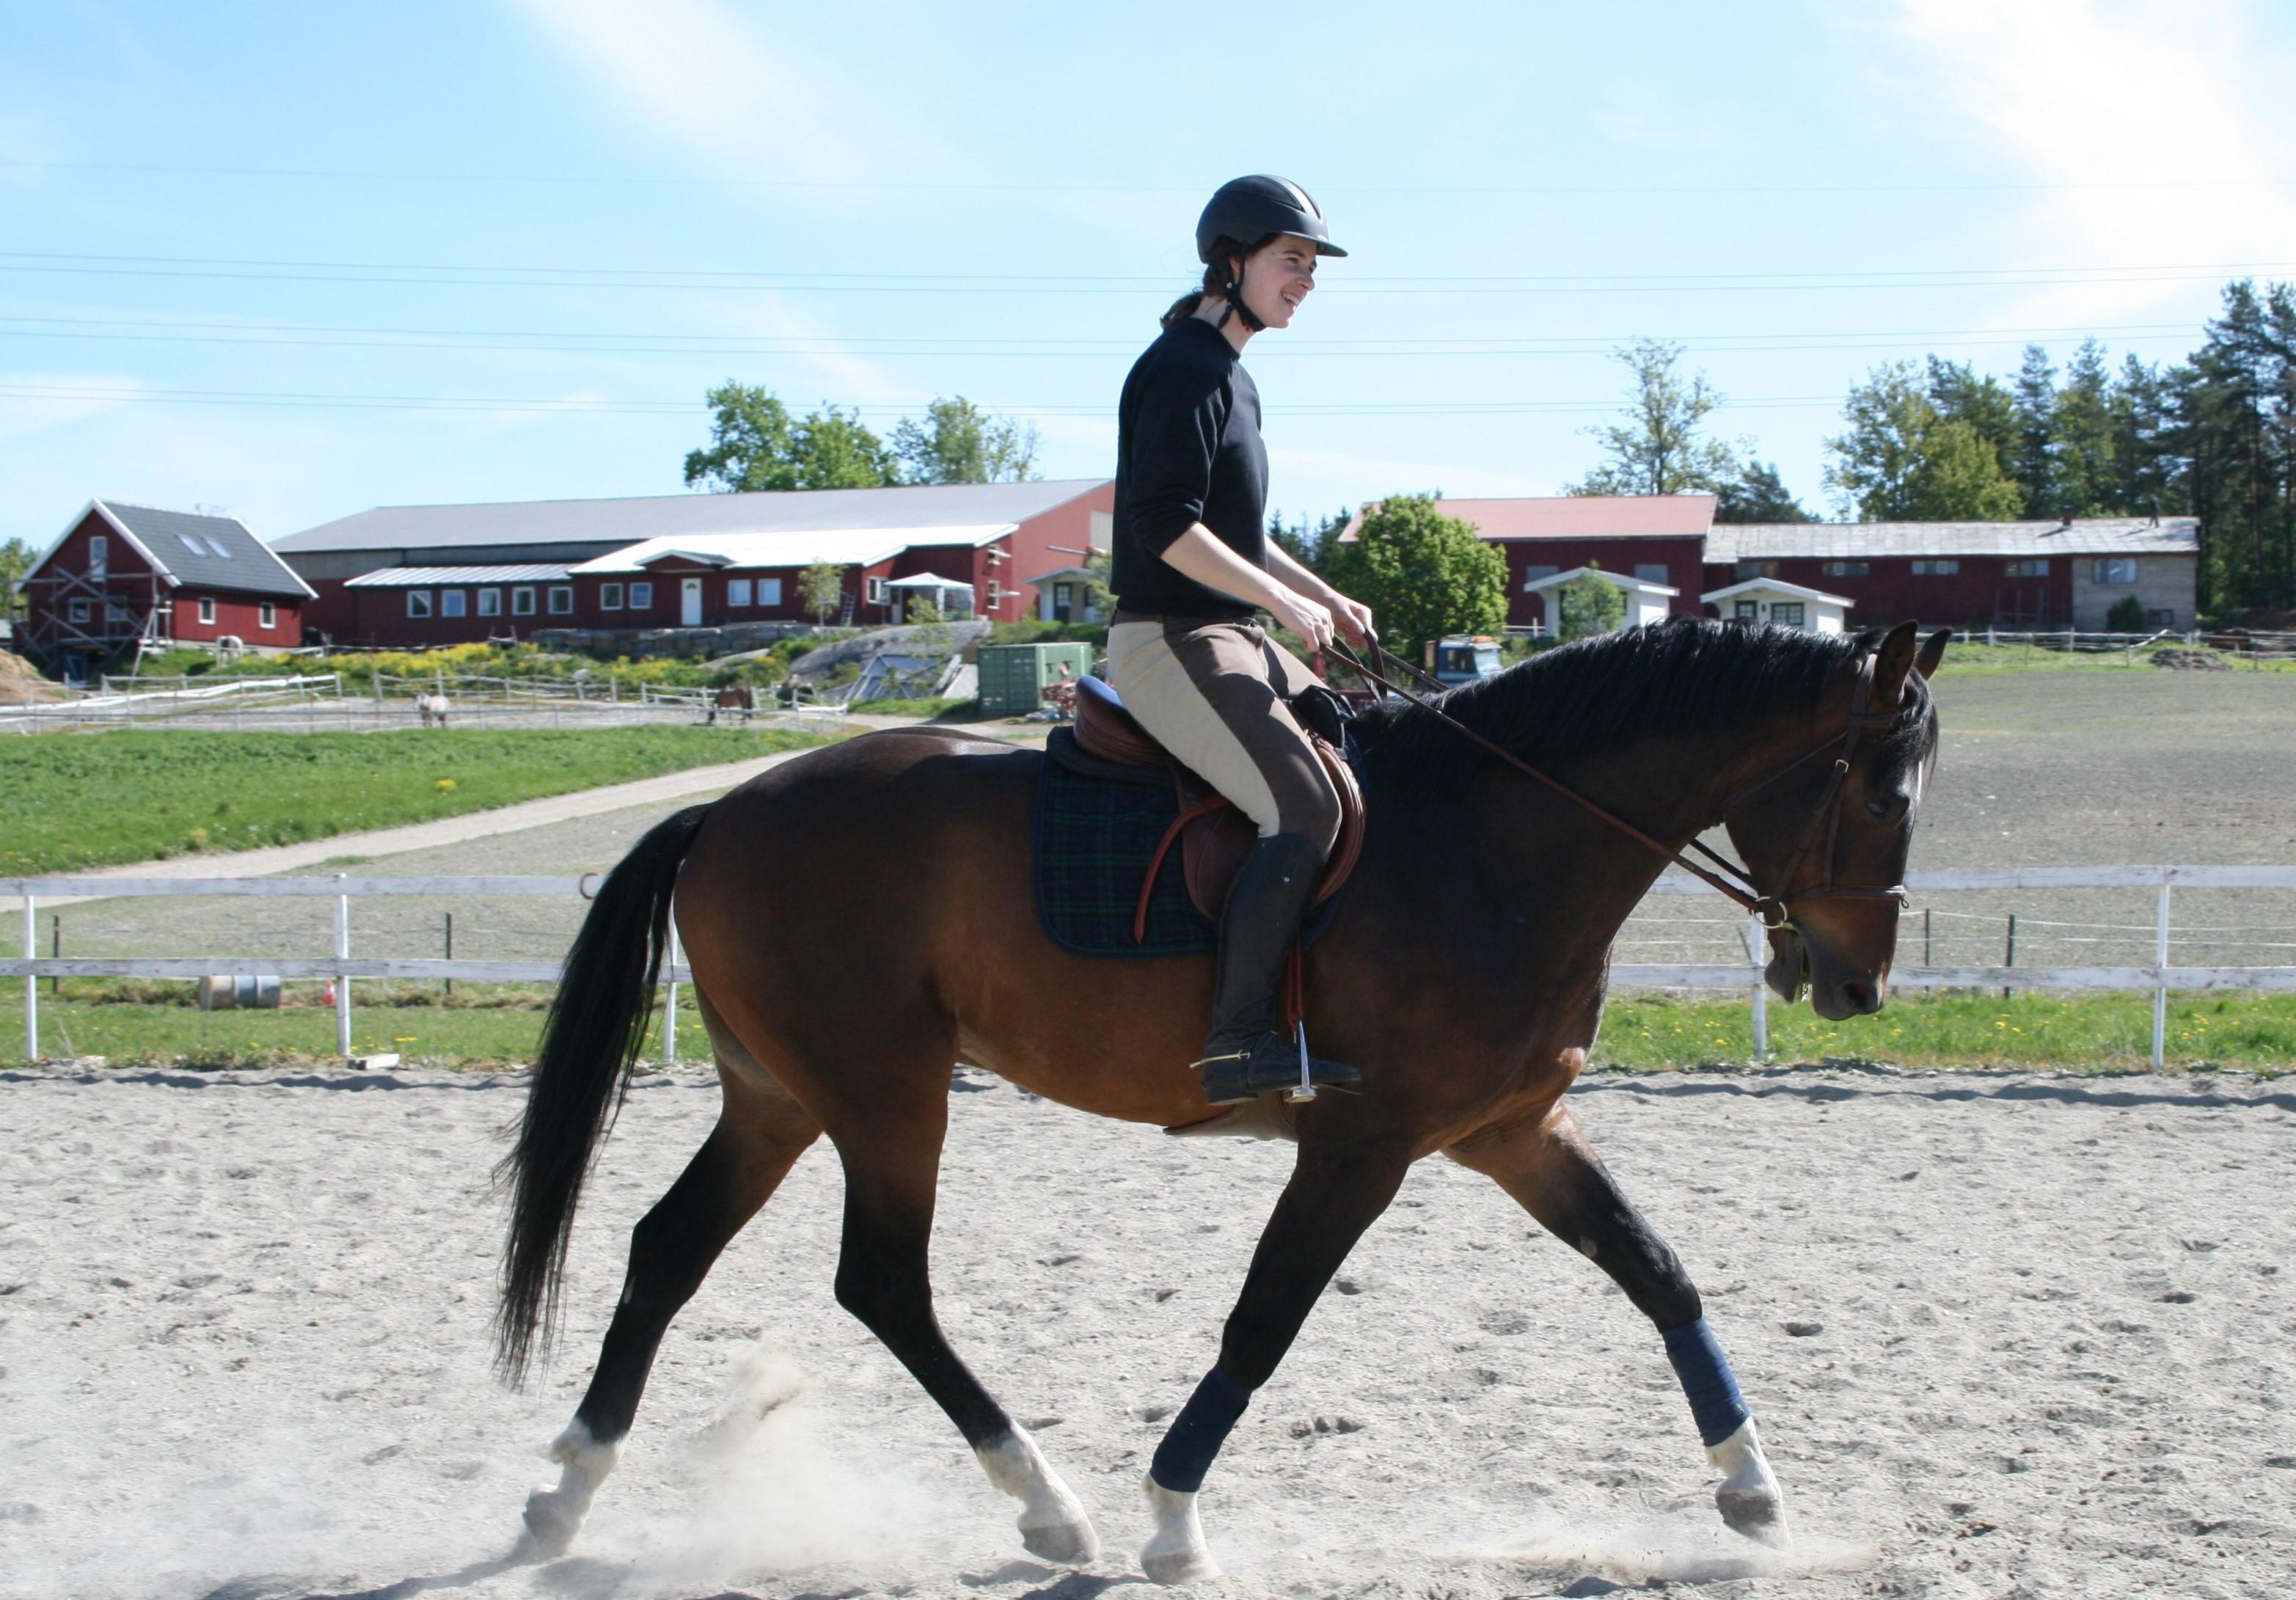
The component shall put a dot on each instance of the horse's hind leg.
(1548, 1166)
(892, 1161)
(760, 1132)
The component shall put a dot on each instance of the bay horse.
(1462, 973)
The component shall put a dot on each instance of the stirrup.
(1269, 1063)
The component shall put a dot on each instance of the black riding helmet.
(1247, 212)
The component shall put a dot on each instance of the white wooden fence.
(2159, 976)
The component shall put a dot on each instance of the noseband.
(1774, 910)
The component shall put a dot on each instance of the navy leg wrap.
(1715, 1402)
(1197, 1433)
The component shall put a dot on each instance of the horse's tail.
(590, 1045)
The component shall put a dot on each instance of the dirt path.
(243, 1325)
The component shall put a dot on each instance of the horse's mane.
(1681, 674)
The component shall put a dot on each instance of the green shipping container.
(1014, 677)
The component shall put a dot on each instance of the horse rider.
(1192, 566)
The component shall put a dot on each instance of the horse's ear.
(1891, 663)
(1932, 653)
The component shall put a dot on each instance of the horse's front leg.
(1547, 1164)
(1335, 1194)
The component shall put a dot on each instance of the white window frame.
(1747, 610)
(521, 600)
(875, 592)
(418, 603)
(2114, 569)
(98, 554)
(267, 615)
(769, 591)
(489, 602)
(642, 596)
(995, 597)
(453, 603)
(562, 599)
(737, 594)
(610, 596)
(1788, 613)
(206, 610)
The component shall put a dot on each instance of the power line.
(466, 276)
(600, 405)
(645, 180)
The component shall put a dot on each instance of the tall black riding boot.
(1247, 1056)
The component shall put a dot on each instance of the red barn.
(1658, 539)
(123, 577)
(441, 574)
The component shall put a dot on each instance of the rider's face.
(1276, 278)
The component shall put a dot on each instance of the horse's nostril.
(1860, 998)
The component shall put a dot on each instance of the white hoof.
(1749, 1499)
(1176, 1553)
(555, 1513)
(1053, 1526)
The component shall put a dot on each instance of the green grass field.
(104, 800)
(496, 1025)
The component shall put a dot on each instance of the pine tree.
(2034, 397)
(2081, 437)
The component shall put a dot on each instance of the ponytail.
(1218, 276)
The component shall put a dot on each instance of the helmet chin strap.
(1235, 306)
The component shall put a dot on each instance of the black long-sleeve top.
(1187, 451)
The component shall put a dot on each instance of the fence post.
(450, 948)
(2160, 960)
(1761, 990)
(342, 978)
(669, 1025)
(2009, 957)
(1928, 958)
(31, 984)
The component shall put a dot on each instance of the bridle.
(1775, 909)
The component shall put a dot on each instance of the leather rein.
(1773, 911)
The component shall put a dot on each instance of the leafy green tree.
(1758, 495)
(1098, 593)
(16, 559)
(1658, 449)
(832, 450)
(1901, 461)
(754, 445)
(1423, 573)
(957, 442)
(1588, 606)
(749, 442)
(1963, 394)
(821, 590)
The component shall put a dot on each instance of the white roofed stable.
(794, 547)
(1850, 541)
(1646, 602)
(1787, 604)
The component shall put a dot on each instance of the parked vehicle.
(1462, 658)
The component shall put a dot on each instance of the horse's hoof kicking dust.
(1053, 1526)
(1749, 1499)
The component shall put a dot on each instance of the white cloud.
(36, 403)
(2080, 92)
(733, 96)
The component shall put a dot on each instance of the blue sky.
(294, 261)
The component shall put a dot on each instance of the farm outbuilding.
(123, 577)
(691, 561)
(1646, 600)
(1774, 600)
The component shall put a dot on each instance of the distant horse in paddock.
(433, 708)
(1462, 972)
(740, 698)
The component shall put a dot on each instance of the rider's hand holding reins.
(1200, 553)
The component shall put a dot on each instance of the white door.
(689, 614)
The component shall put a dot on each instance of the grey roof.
(418, 578)
(919, 509)
(205, 552)
(2084, 535)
